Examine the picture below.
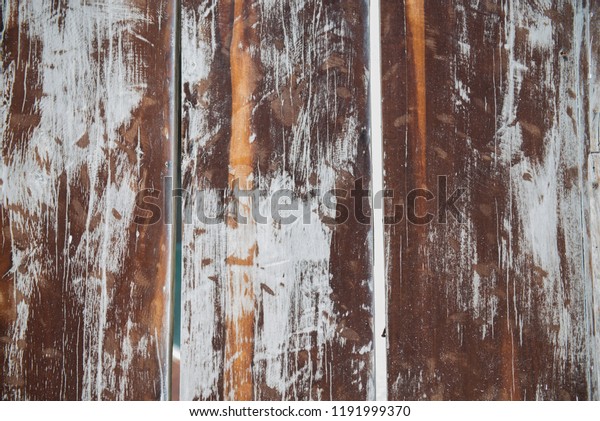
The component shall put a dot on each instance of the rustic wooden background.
(501, 97)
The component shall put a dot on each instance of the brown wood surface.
(499, 97)
(275, 97)
(86, 107)
(495, 95)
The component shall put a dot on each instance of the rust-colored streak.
(415, 23)
(243, 87)
(243, 261)
(510, 389)
(239, 322)
(239, 345)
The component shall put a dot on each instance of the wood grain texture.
(593, 121)
(501, 306)
(86, 108)
(275, 97)
(594, 255)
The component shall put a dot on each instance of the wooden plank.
(491, 95)
(86, 125)
(594, 255)
(275, 97)
(592, 109)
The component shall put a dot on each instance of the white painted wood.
(300, 125)
(68, 198)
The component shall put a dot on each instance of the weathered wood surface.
(592, 118)
(594, 226)
(86, 107)
(498, 96)
(275, 97)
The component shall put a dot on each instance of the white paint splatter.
(291, 272)
(548, 202)
(91, 79)
(293, 262)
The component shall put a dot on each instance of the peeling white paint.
(594, 181)
(291, 271)
(201, 361)
(592, 41)
(293, 261)
(548, 211)
(92, 79)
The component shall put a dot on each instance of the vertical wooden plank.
(275, 97)
(594, 182)
(86, 115)
(592, 113)
(491, 96)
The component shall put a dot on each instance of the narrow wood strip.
(591, 113)
(241, 238)
(415, 28)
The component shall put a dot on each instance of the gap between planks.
(379, 279)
